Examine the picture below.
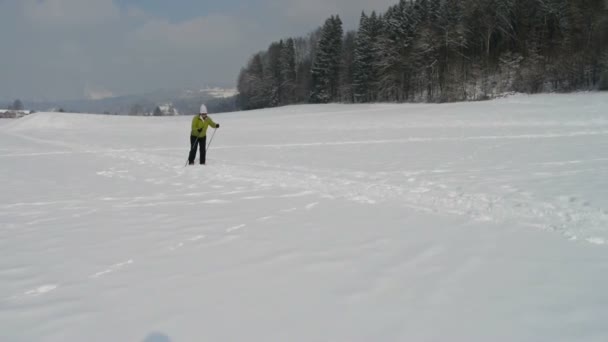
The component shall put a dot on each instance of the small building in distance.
(13, 114)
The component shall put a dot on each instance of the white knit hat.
(203, 109)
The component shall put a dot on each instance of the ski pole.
(210, 140)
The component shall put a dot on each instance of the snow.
(20, 113)
(215, 92)
(220, 92)
(483, 221)
(168, 109)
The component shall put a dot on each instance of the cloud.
(215, 31)
(61, 48)
(314, 12)
(59, 14)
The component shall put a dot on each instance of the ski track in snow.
(264, 193)
(311, 205)
(134, 152)
(440, 195)
(40, 290)
(436, 196)
(220, 239)
(235, 228)
(417, 191)
(112, 269)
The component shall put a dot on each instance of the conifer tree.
(326, 64)
(288, 71)
(363, 76)
(439, 50)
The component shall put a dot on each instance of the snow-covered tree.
(346, 93)
(326, 64)
(136, 109)
(17, 105)
(604, 72)
(288, 71)
(254, 89)
(443, 50)
(157, 111)
(364, 69)
(273, 73)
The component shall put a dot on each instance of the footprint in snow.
(567, 199)
(196, 238)
(597, 241)
(178, 246)
(183, 243)
(40, 290)
(311, 205)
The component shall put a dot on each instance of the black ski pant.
(194, 144)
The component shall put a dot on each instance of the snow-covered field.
(459, 222)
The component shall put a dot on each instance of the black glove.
(200, 130)
(217, 125)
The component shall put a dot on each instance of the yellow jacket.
(199, 127)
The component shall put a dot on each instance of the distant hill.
(185, 101)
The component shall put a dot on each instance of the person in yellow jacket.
(198, 136)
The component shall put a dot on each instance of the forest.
(436, 51)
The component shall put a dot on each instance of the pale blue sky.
(69, 49)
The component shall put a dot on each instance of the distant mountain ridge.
(185, 101)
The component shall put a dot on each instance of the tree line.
(16, 105)
(436, 51)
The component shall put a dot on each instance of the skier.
(198, 136)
